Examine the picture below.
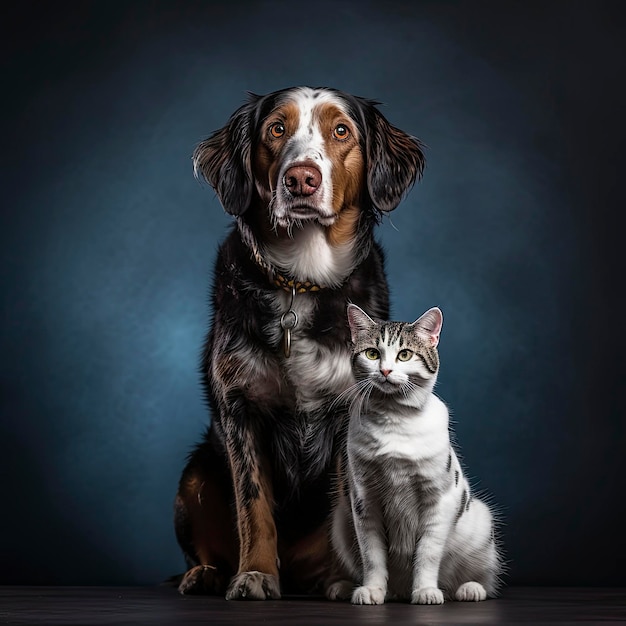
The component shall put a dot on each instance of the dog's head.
(307, 154)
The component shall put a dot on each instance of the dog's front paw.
(427, 595)
(368, 595)
(340, 590)
(202, 579)
(253, 586)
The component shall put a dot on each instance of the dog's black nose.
(302, 180)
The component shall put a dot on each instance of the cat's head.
(396, 357)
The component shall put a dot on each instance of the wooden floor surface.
(163, 605)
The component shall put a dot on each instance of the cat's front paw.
(427, 595)
(253, 586)
(368, 595)
(340, 590)
(471, 592)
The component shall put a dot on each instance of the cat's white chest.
(396, 437)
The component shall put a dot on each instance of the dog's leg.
(305, 563)
(209, 532)
(257, 576)
(204, 525)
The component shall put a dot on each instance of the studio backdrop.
(108, 241)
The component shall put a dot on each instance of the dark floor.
(163, 605)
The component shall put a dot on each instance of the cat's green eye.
(404, 355)
(372, 354)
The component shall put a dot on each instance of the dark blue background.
(107, 243)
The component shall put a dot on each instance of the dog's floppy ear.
(224, 159)
(395, 160)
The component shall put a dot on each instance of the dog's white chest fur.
(315, 372)
(308, 256)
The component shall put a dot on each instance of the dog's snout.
(302, 180)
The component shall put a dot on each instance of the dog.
(307, 174)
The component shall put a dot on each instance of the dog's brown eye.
(341, 132)
(277, 130)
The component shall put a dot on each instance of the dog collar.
(276, 278)
(289, 319)
(288, 284)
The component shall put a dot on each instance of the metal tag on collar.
(288, 321)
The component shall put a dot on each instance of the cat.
(405, 525)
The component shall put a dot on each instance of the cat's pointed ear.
(359, 321)
(429, 325)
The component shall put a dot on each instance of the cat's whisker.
(408, 388)
(359, 391)
(348, 393)
(364, 399)
(406, 391)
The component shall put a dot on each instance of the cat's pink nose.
(385, 373)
